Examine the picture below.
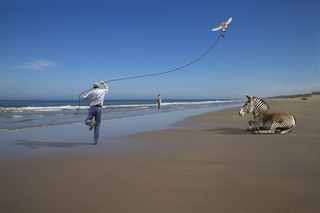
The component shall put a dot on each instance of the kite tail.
(223, 34)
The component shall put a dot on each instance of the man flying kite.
(224, 26)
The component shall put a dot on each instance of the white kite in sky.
(224, 26)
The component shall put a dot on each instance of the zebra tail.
(291, 128)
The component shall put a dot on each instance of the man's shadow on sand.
(230, 131)
(39, 144)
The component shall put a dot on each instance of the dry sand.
(206, 163)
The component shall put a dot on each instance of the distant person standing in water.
(159, 101)
(97, 98)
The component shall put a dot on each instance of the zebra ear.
(250, 97)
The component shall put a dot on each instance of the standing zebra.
(264, 120)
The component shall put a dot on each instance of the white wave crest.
(40, 109)
(197, 102)
(68, 107)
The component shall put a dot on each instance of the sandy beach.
(204, 163)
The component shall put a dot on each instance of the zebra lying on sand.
(264, 120)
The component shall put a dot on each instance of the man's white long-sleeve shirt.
(96, 96)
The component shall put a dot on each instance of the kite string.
(161, 73)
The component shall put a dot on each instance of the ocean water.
(22, 114)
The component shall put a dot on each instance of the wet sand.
(205, 163)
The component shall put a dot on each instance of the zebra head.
(248, 106)
(255, 105)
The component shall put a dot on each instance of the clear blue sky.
(54, 49)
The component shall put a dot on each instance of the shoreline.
(21, 115)
(43, 140)
(205, 163)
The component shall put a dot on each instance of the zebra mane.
(261, 101)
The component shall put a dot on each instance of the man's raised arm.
(104, 85)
